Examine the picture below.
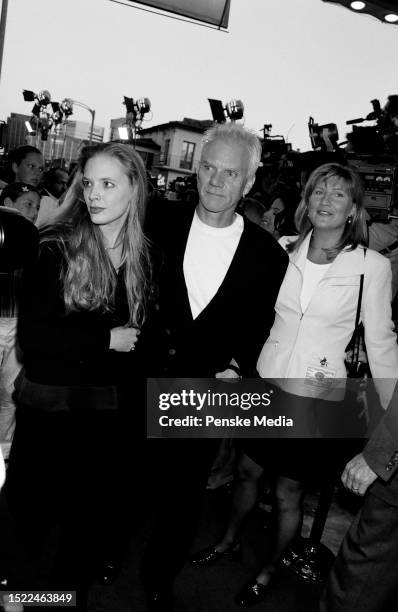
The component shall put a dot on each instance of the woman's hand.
(123, 339)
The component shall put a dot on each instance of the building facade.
(15, 132)
(64, 142)
(146, 147)
(178, 147)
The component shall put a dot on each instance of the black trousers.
(364, 576)
(68, 496)
(180, 471)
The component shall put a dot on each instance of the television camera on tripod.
(373, 151)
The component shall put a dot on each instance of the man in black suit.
(364, 577)
(219, 278)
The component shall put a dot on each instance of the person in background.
(254, 210)
(27, 163)
(83, 305)
(18, 248)
(54, 185)
(279, 216)
(25, 199)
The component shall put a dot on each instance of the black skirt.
(323, 439)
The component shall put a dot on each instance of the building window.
(187, 153)
(165, 153)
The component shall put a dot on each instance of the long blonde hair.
(89, 278)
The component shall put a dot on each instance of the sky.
(285, 59)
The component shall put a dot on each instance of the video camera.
(273, 146)
(373, 152)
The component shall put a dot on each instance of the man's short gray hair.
(237, 133)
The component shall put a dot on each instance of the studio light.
(144, 105)
(44, 97)
(135, 111)
(217, 110)
(67, 106)
(391, 18)
(28, 96)
(57, 115)
(130, 105)
(357, 6)
(233, 110)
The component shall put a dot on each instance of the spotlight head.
(144, 105)
(130, 105)
(217, 110)
(67, 106)
(235, 109)
(28, 96)
(44, 97)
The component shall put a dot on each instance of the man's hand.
(228, 373)
(357, 475)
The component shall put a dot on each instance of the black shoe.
(108, 573)
(210, 555)
(252, 594)
(160, 600)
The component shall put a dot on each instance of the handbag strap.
(356, 334)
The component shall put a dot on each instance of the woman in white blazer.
(304, 355)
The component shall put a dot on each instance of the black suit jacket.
(236, 322)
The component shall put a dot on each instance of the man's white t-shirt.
(208, 255)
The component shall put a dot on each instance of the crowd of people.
(123, 287)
